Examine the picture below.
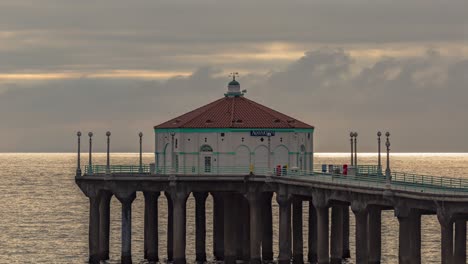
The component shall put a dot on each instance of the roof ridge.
(232, 110)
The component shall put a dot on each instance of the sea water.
(44, 215)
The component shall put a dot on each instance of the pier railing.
(116, 169)
(366, 175)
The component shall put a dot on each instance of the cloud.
(421, 100)
(179, 36)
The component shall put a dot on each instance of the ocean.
(44, 215)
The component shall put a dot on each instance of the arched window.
(206, 148)
(303, 148)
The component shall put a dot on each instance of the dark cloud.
(421, 100)
(181, 35)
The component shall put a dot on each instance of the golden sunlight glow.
(104, 74)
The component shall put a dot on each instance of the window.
(176, 143)
(206, 148)
(242, 139)
(205, 140)
(222, 134)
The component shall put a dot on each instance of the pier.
(245, 231)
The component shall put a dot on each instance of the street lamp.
(379, 167)
(141, 152)
(90, 169)
(269, 150)
(108, 134)
(172, 152)
(355, 148)
(78, 167)
(387, 170)
(351, 134)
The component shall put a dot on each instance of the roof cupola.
(234, 86)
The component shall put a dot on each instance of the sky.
(340, 65)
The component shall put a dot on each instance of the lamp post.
(90, 164)
(351, 135)
(172, 152)
(78, 166)
(141, 152)
(379, 166)
(355, 148)
(108, 133)
(269, 150)
(388, 176)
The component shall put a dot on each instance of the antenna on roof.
(234, 75)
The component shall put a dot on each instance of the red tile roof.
(233, 112)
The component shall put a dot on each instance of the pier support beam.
(446, 230)
(245, 229)
(239, 212)
(460, 242)
(267, 220)
(200, 226)
(298, 246)
(312, 236)
(179, 200)
(230, 229)
(404, 245)
(126, 199)
(361, 215)
(94, 201)
(170, 229)
(322, 234)
(336, 243)
(218, 226)
(409, 236)
(104, 225)
(375, 235)
(255, 201)
(151, 226)
(416, 237)
(284, 201)
(346, 250)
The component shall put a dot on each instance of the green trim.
(189, 153)
(224, 153)
(293, 153)
(224, 130)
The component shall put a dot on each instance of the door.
(207, 163)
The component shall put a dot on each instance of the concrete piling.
(267, 226)
(151, 226)
(336, 242)
(218, 226)
(170, 229)
(323, 256)
(200, 226)
(179, 200)
(94, 202)
(284, 202)
(375, 240)
(126, 200)
(460, 242)
(361, 215)
(312, 236)
(104, 225)
(298, 245)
